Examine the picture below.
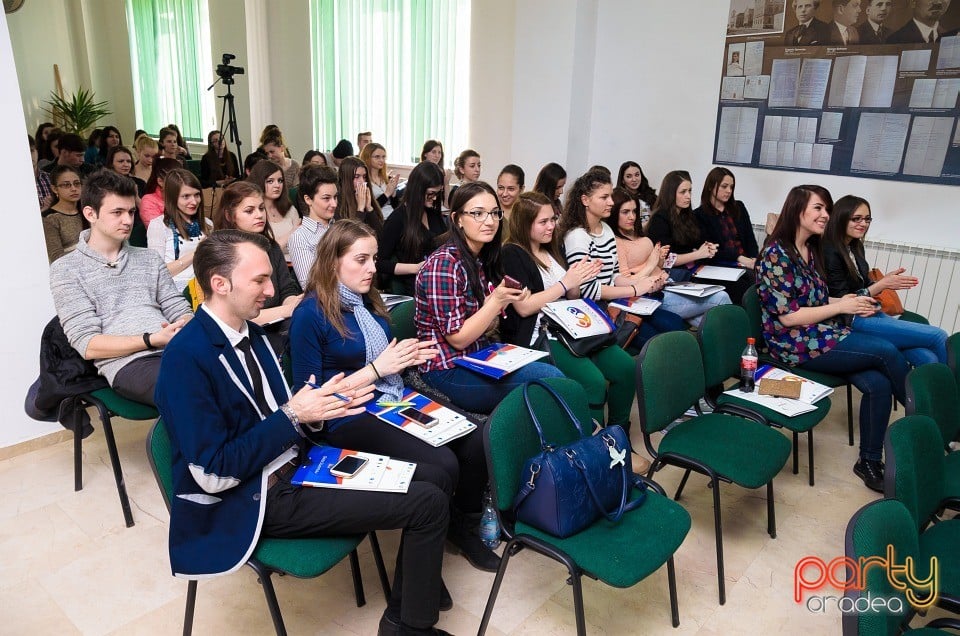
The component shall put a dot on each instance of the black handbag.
(580, 347)
(569, 487)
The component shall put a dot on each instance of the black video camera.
(225, 71)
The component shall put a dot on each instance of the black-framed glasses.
(69, 184)
(861, 219)
(432, 194)
(480, 216)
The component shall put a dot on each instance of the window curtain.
(170, 55)
(398, 68)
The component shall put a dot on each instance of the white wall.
(28, 306)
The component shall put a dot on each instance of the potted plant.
(77, 114)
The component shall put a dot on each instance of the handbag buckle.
(609, 440)
(534, 471)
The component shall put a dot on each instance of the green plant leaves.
(79, 113)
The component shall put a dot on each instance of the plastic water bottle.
(489, 524)
(748, 366)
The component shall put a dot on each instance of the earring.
(461, 226)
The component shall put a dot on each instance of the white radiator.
(937, 297)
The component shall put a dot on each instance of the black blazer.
(817, 33)
(514, 328)
(839, 279)
(909, 33)
(710, 230)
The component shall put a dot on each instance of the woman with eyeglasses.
(847, 270)
(413, 231)
(62, 221)
(804, 327)
(460, 296)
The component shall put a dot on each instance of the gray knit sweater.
(128, 299)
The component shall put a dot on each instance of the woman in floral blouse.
(802, 325)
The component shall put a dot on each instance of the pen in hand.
(336, 395)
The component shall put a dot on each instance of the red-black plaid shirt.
(729, 238)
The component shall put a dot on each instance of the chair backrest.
(669, 378)
(751, 304)
(401, 321)
(914, 472)
(932, 391)
(160, 454)
(871, 529)
(953, 355)
(723, 335)
(510, 438)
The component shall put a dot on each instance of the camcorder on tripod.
(228, 115)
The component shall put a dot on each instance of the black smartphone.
(348, 466)
(512, 282)
(419, 417)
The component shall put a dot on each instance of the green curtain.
(170, 54)
(399, 68)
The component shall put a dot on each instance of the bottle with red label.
(748, 366)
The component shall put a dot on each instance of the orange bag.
(889, 299)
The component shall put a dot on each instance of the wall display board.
(868, 88)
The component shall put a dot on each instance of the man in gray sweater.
(117, 304)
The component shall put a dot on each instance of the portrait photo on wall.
(755, 17)
(853, 22)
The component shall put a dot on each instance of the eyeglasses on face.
(480, 216)
(861, 219)
(69, 184)
(432, 194)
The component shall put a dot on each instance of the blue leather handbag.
(568, 488)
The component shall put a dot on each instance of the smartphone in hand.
(512, 283)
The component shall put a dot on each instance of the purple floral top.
(785, 286)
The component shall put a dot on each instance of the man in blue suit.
(237, 435)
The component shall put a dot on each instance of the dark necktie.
(882, 33)
(932, 37)
(255, 378)
(801, 34)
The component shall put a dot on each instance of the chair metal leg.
(718, 529)
(672, 583)
(771, 514)
(78, 459)
(810, 453)
(683, 482)
(850, 414)
(115, 463)
(270, 595)
(508, 551)
(796, 452)
(357, 579)
(381, 569)
(188, 611)
(578, 602)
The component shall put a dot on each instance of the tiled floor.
(68, 565)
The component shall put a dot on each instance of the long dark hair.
(683, 225)
(489, 256)
(347, 203)
(547, 181)
(574, 212)
(159, 171)
(102, 147)
(621, 196)
(176, 180)
(225, 214)
(265, 169)
(644, 192)
(836, 234)
(525, 212)
(415, 237)
(785, 231)
(710, 185)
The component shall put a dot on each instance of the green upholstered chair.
(725, 448)
(193, 165)
(723, 334)
(401, 320)
(871, 529)
(301, 558)
(751, 303)
(911, 316)
(953, 355)
(932, 390)
(108, 404)
(619, 554)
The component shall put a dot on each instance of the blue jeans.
(879, 371)
(660, 321)
(478, 393)
(692, 309)
(920, 344)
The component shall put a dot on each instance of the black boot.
(464, 533)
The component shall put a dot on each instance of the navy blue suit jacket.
(223, 447)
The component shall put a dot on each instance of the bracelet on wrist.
(375, 372)
(634, 288)
(565, 290)
(146, 341)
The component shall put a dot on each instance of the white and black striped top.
(579, 244)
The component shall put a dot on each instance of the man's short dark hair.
(253, 159)
(72, 143)
(217, 255)
(104, 182)
(312, 177)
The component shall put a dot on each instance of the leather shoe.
(392, 627)
(871, 472)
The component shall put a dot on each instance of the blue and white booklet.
(380, 473)
(499, 359)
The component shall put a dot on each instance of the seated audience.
(277, 153)
(341, 151)
(532, 256)
(44, 189)
(176, 234)
(152, 203)
(803, 328)
(466, 168)
(363, 139)
(318, 191)
(62, 221)
(432, 151)
(847, 272)
(182, 151)
(218, 166)
(238, 434)
(343, 328)
(382, 182)
(42, 139)
(120, 160)
(459, 298)
(550, 183)
(147, 150)
(170, 147)
(53, 150)
(117, 304)
(509, 186)
(632, 179)
(109, 138)
(413, 230)
(314, 157)
(70, 153)
(725, 222)
(251, 160)
(356, 197)
(93, 147)
(282, 216)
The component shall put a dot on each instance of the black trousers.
(138, 378)
(422, 513)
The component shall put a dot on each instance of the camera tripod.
(228, 118)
